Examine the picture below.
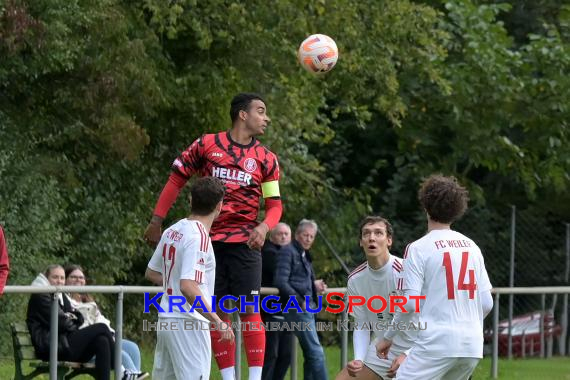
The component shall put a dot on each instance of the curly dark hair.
(443, 198)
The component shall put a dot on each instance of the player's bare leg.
(363, 374)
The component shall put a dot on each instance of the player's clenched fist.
(153, 232)
(354, 366)
(395, 365)
(382, 348)
(226, 331)
(257, 236)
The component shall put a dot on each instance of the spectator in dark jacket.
(278, 344)
(295, 277)
(4, 262)
(73, 344)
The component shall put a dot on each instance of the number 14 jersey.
(448, 268)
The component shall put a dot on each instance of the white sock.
(255, 373)
(228, 373)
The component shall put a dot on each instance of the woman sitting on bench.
(86, 305)
(74, 344)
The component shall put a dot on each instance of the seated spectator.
(74, 344)
(85, 304)
(4, 262)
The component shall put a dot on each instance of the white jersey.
(367, 282)
(184, 253)
(448, 268)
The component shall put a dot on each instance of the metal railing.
(56, 290)
(543, 291)
(121, 290)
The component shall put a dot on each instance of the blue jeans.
(314, 366)
(130, 356)
(278, 346)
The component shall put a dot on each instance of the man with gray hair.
(295, 277)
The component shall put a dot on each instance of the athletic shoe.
(129, 375)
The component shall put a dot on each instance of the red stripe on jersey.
(400, 284)
(207, 241)
(406, 250)
(358, 269)
(397, 266)
(203, 238)
(171, 263)
(198, 277)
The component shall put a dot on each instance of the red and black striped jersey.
(248, 172)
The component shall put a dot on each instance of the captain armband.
(270, 189)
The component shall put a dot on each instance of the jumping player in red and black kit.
(249, 170)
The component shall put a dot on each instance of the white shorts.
(377, 365)
(417, 366)
(182, 354)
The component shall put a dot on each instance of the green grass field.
(527, 369)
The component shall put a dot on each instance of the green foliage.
(98, 97)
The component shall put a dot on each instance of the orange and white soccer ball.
(318, 53)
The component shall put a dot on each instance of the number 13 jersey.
(184, 253)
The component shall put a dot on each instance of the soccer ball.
(318, 53)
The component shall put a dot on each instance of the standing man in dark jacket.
(278, 344)
(295, 277)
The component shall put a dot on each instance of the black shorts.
(238, 270)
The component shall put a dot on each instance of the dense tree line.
(97, 97)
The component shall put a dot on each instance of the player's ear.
(243, 114)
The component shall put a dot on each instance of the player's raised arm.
(183, 168)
